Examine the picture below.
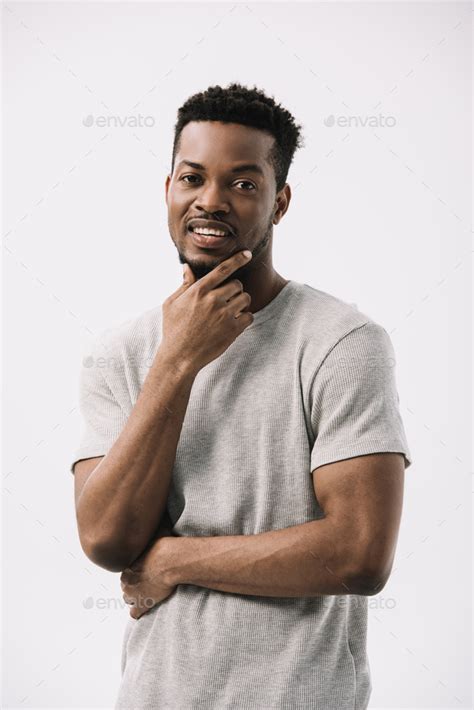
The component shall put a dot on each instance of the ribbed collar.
(273, 308)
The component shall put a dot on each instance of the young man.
(243, 459)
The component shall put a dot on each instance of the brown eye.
(187, 176)
(246, 182)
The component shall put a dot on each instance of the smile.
(208, 232)
(208, 241)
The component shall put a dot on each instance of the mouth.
(207, 234)
(208, 241)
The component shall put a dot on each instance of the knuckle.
(223, 268)
(213, 297)
(198, 296)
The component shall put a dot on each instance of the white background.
(379, 217)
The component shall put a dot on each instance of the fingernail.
(247, 253)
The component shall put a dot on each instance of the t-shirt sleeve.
(102, 416)
(355, 402)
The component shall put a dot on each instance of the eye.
(192, 175)
(246, 182)
(187, 176)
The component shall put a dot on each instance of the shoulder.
(327, 320)
(333, 332)
(324, 310)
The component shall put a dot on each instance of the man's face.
(221, 191)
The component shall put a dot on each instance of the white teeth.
(208, 232)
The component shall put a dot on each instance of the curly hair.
(250, 107)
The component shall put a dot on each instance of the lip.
(222, 226)
(210, 242)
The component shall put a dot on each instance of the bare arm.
(349, 551)
(123, 500)
(121, 503)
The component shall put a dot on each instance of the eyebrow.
(245, 167)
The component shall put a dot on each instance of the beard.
(202, 268)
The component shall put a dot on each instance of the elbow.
(104, 547)
(112, 557)
(372, 569)
(367, 583)
(109, 560)
(369, 580)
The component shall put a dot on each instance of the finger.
(139, 611)
(188, 280)
(188, 275)
(140, 606)
(131, 574)
(224, 270)
(126, 574)
(135, 613)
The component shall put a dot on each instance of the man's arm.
(121, 502)
(123, 499)
(349, 551)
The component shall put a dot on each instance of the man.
(243, 459)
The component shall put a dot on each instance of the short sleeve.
(102, 416)
(354, 399)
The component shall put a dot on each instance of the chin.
(201, 268)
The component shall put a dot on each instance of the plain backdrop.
(380, 217)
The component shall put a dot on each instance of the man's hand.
(202, 318)
(143, 583)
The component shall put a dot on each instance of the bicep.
(363, 496)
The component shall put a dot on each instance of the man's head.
(218, 132)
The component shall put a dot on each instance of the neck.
(263, 286)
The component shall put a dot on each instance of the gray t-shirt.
(310, 382)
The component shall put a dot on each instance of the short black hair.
(251, 107)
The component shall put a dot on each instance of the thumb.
(188, 280)
(188, 275)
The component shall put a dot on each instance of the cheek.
(177, 201)
(260, 224)
(255, 216)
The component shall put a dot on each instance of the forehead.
(215, 144)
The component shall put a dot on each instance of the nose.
(210, 199)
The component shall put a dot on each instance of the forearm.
(123, 500)
(305, 560)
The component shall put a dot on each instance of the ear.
(283, 199)
(167, 186)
